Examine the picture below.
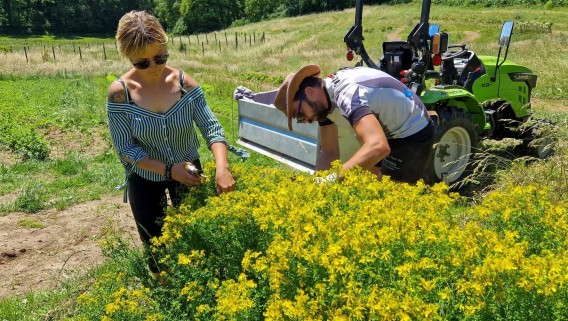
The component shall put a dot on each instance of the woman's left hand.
(224, 181)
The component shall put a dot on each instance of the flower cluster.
(282, 247)
(123, 304)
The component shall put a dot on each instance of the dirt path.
(34, 259)
(395, 35)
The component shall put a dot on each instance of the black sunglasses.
(300, 118)
(145, 63)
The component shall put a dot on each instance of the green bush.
(23, 140)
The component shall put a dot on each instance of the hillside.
(55, 92)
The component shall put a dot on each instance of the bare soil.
(39, 251)
(34, 259)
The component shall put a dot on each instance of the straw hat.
(284, 99)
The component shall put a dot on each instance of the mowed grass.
(62, 99)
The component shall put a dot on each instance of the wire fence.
(217, 42)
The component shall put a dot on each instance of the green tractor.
(470, 97)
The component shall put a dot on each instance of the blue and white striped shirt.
(170, 137)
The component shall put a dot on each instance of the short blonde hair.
(138, 29)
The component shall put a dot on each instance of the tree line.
(177, 16)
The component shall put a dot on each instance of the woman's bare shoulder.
(116, 93)
(188, 82)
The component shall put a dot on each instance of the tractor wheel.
(455, 142)
(541, 139)
(543, 150)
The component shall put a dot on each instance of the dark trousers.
(148, 202)
(409, 156)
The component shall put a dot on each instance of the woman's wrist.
(168, 173)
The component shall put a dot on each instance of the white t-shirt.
(357, 92)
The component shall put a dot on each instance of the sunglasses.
(300, 118)
(145, 63)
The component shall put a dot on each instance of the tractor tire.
(540, 141)
(455, 142)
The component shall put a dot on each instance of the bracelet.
(169, 172)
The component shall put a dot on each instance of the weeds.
(31, 199)
(541, 161)
(30, 224)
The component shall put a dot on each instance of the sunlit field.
(282, 247)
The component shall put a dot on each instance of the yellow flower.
(112, 308)
(445, 294)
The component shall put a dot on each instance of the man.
(392, 125)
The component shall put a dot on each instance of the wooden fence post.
(80, 54)
(26, 53)
(53, 50)
(104, 51)
(203, 48)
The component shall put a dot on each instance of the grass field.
(55, 149)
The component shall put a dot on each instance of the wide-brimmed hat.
(284, 99)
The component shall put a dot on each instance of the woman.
(151, 110)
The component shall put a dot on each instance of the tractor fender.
(458, 97)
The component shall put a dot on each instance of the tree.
(168, 11)
(13, 16)
(301, 7)
(208, 15)
(256, 10)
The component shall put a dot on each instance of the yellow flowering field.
(282, 247)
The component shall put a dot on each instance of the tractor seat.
(469, 68)
(397, 57)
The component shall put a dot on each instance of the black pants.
(409, 156)
(148, 202)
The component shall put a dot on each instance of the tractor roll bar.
(417, 38)
(425, 14)
(354, 37)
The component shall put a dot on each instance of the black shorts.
(409, 156)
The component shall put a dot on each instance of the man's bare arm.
(329, 146)
(374, 144)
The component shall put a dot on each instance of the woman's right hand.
(183, 176)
